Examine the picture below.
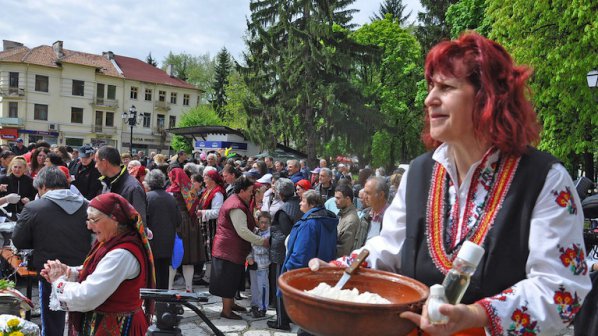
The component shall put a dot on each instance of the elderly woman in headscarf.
(180, 187)
(102, 296)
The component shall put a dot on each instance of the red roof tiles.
(135, 69)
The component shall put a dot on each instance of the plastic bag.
(177, 252)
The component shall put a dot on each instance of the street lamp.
(131, 119)
(592, 78)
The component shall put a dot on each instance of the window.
(186, 99)
(73, 142)
(78, 88)
(147, 119)
(13, 80)
(160, 122)
(40, 112)
(148, 94)
(173, 97)
(172, 122)
(41, 83)
(162, 96)
(109, 119)
(76, 115)
(111, 92)
(133, 92)
(99, 118)
(100, 90)
(13, 109)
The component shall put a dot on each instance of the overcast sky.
(137, 27)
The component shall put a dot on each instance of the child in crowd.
(259, 262)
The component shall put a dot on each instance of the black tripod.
(169, 308)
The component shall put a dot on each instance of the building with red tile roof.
(70, 97)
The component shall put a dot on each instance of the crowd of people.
(233, 215)
(243, 219)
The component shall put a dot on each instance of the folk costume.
(523, 210)
(211, 200)
(102, 296)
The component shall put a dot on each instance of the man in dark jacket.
(87, 176)
(115, 178)
(54, 227)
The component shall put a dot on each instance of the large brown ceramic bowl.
(326, 317)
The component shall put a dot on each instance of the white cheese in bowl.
(351, 295)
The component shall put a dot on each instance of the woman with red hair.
(484, 183)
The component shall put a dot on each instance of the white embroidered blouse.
(70, 295)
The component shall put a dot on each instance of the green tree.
(558, 40)
(395, 8)
(150, 60)
(388, 83)
(197, 70)
(433, 26)
(202, 115)
(467, 15)
(237, 94)
(222, 71)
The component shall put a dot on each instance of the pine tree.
(223, 69)
(150, 60)
(394, 8)
(434, 27)
(299, 67)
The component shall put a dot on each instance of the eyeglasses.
(94, 220)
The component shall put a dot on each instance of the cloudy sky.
(137, 27)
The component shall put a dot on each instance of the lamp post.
(131, 119)
(592, 78)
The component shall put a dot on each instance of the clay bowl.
(326, 317)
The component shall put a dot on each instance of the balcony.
(13, 122)
(105, 103)
(99, 129)
(11, 92)
(158, 130)
(162, 105)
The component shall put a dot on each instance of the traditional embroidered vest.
(505, 238)
(227, 243)
(126, 297)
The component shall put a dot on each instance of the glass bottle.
(457, 279)
(437, 298)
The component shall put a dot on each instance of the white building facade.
(72, 98)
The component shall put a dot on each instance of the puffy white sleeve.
(557, 275)
(116, 266)
(217, 202)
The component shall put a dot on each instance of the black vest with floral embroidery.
(506, 241)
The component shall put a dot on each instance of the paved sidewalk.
(191, 324)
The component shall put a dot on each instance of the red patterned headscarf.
(178, 180)
(213, 174)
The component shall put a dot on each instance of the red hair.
(503, 116)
